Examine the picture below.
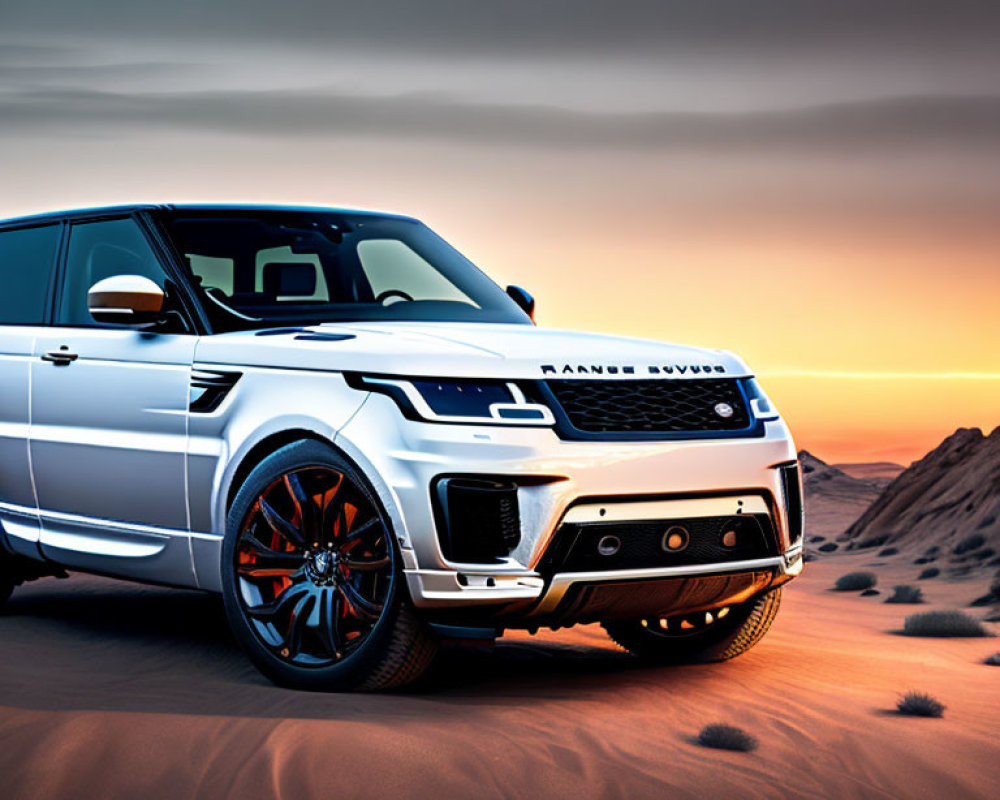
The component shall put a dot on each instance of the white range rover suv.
(340, 424)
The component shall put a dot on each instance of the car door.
(109, 411)
(27, 259)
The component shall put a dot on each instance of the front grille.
(651, 407)
(640, 545)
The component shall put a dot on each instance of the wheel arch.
(270, 444)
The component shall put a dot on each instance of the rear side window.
(27, 256)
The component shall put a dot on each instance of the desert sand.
(110, 690)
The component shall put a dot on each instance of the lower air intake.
(478, 520)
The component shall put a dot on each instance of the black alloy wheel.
(312, 579)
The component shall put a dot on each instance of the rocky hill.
(833, 500)
(879, 473)
(945, 504)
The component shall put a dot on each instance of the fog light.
(609, 545)
(675, 539)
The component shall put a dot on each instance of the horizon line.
(972, 376)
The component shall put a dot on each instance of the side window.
(99, 250)
(27, 256)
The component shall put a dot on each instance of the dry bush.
(969, 543)
(930, 572)
(943, 624)
(906, 594)
(855, 582)
(727, 737)
(919, 704)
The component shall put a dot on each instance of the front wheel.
(699, 637)
(312, 579)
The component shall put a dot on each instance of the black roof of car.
(102, 211)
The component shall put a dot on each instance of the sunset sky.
(813, 185)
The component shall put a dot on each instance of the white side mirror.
(125, 300)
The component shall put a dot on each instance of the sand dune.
(113, 690)
(117, 691)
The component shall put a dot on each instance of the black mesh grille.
(640, 545)
(652, 406)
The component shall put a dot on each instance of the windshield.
(255, 269)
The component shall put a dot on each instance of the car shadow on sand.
(92, 643)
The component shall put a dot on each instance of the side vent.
(791, 488)
(209, 388)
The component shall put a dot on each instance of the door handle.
(61, 357)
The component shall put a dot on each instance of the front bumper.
(559, 481)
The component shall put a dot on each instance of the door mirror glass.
(523, 299)
(126, 300)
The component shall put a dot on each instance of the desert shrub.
(942, 624)
(855, 581)
(930, 572)
(889, 551)
(866, 544)
(817, 539)
(933, 550)
(969, 543)
(919, 704)
(991, 597)
(870, 592)
(982, 555)
(993, 660)
(726, 737)
(906, 594)
(985, 522)
(829, 547)
(922, 560)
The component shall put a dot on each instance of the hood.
(473, 350)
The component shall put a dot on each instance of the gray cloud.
(541, 26)
(900, 122)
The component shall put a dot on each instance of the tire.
(723, 639)
(336, 622)
(10, 577)
(6, 587)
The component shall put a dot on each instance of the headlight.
(760, 403)
(475, 402)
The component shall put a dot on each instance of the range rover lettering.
(342, 426)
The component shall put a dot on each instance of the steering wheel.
(383, 296)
